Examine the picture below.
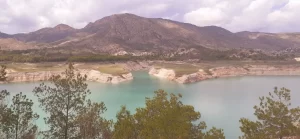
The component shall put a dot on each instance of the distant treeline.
(77, 58)
(34, 56)
(37, 58)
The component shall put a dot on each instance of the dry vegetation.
(114, 69)
(29, 67)
(179, 68)
(182, 68)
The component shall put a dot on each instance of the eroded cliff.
(220, 72)
(92, 75)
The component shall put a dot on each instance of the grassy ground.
(112, 69)
(213, 64)
(180, 69)
(28, 67)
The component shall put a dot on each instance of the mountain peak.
(63, 27)
(120, 16)
(106, 22)
(134, 33)
(3, 35)
(124, 14)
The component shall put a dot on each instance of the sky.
(21, 16)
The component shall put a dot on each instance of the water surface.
(221, 102)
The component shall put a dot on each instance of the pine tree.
(3, 106)
(125, 125)
(275, 117)
(3, 73)
(63, 99)
(91, 124)
(164, 117)
(17, 120)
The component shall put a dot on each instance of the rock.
(187, 78)
(228, 71)
(92, 75)
(120, 53)
(135, 66)
(194, 77)
(127, 76)
(163, 73)
(221, 72)
(122, 78)
(30, 76)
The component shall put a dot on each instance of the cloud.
(29, 15)
(254, 15)
(148, 9)
(206, 16)
(286, 19)
(251, 15)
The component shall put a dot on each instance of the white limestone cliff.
(163, 73)
(220, 72)
(92, 75)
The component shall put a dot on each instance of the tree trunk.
(17, 122)
(67, 118)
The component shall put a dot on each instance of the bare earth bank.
(181, 72)
(227, 71)
(97, 72)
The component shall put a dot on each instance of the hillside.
(278, 41)
(46, 35)
(3, 35)
(127, 33)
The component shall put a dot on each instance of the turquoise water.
(221, 102)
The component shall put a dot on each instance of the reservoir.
(221, 102)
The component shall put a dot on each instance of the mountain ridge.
(132, 33)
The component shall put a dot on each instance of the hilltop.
(122, 34)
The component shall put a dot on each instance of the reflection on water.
(222, 102)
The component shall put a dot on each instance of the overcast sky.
(235, 15)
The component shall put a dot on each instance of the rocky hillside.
(3, 35)
(14, 44)
(47, 35)
(128, 33)
(278, 41)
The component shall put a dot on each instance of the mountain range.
(128, 33)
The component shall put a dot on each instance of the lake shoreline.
(218, 100)
(223, 72)
(92, 75)
(202, 71)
